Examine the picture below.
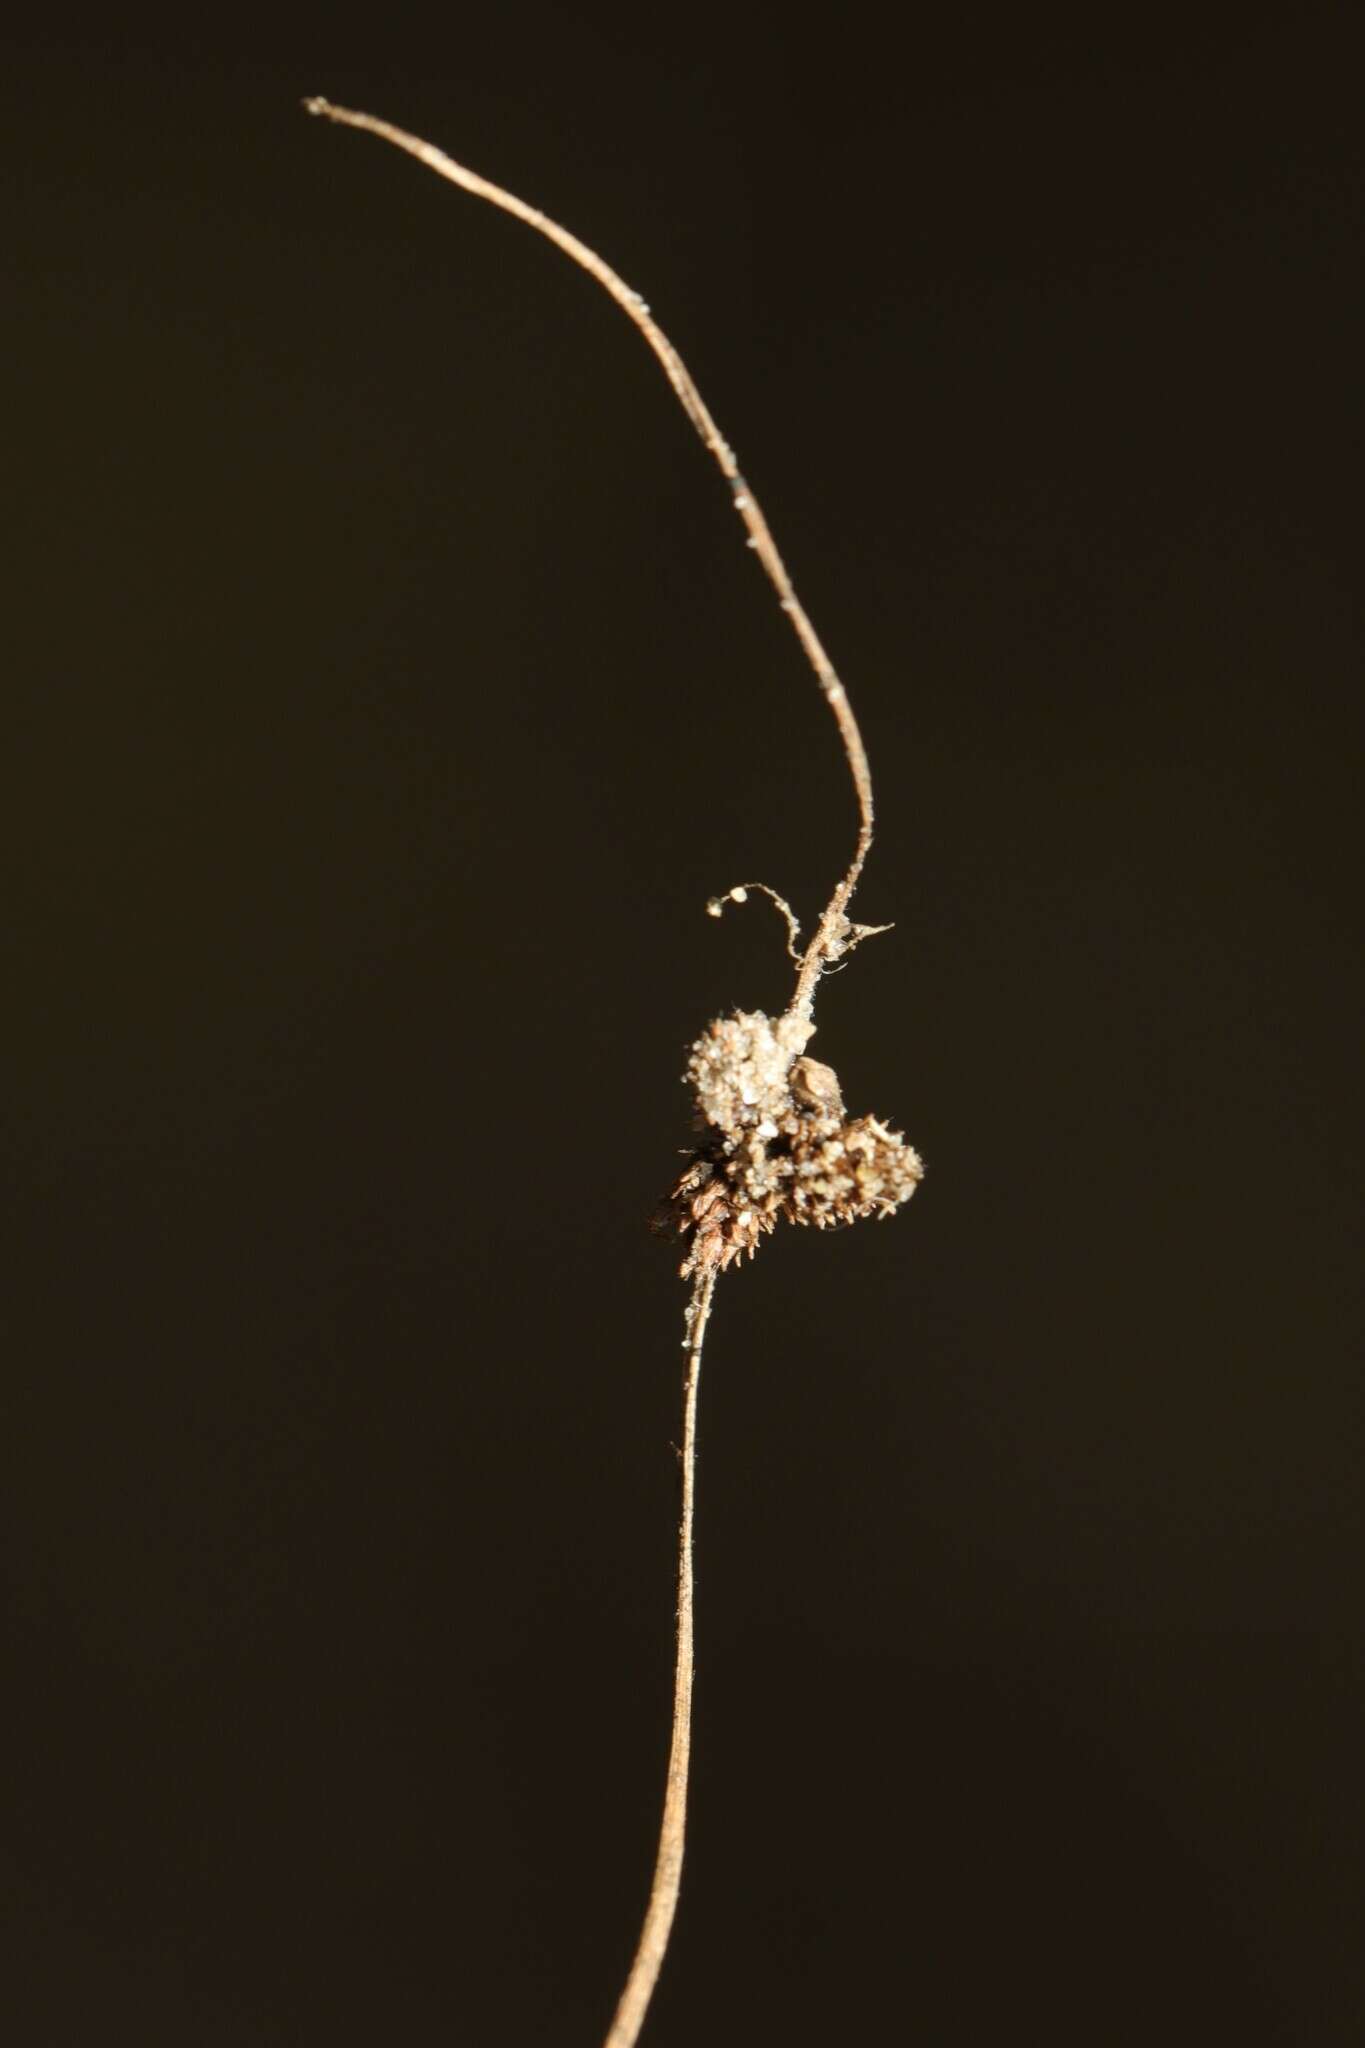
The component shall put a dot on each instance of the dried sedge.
(775, 1139)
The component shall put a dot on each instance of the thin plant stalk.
(833, 938)
(663, 1895)
(826, 945)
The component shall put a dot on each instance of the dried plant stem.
(830, 934)
(663, 1896)
(701, 1198)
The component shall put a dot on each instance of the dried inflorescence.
(777, 1142)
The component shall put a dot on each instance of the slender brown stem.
(663, 1896)
(829, 942)
(826, 942)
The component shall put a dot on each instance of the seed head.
(777, 1142)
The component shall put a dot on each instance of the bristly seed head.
(777, 1143)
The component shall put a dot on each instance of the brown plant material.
(775, 1138)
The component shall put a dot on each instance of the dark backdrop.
(386, 690)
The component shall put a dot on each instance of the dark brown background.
(386, 691)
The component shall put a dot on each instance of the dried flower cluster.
(777, 1143)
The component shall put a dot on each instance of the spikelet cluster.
(776, 1143)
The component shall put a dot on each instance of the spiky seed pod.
(778, 1143)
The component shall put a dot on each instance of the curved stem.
(663, 1896)
(829, 942)
(822, 946)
